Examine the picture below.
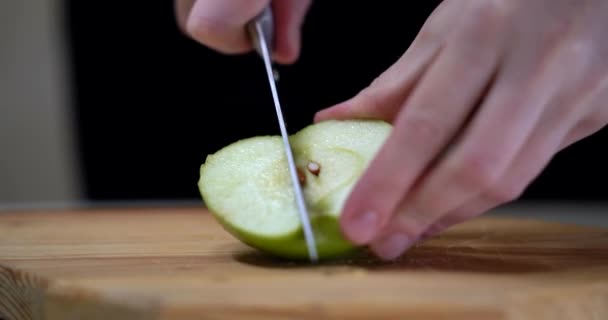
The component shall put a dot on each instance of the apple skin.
(329, 240)
(349, 142)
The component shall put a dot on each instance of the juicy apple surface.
(246, 185)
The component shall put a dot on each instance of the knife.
(261, 31)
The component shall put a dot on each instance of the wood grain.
(167, 263)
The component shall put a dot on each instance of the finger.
(385, 96)
(475, 164)
(595, 98)
(427, 122)
(582, 114)
(289, 16)
(583, 130)
(534, 157)
(464, 213)
(221, 24)
(510, 140)
(528, 164)
(595, 121)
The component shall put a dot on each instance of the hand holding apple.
(483, 99)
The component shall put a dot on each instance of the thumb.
(382, 100)
(387, 94)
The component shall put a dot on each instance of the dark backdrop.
(151, 103)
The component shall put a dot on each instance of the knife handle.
(266, 21)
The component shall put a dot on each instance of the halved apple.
(246, 185)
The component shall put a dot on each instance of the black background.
(150, 103)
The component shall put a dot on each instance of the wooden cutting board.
(177, 264)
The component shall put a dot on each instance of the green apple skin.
(328, 240)
(246, 186)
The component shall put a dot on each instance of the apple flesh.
(246, 185)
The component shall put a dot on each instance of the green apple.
(246, 185)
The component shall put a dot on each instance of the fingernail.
(392, 246)
(362, 227)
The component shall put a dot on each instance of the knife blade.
(261, 32)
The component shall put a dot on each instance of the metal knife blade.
(261, 32)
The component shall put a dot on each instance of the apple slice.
(246, 185)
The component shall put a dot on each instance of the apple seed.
(314, 168)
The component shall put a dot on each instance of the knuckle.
(584, 54)
(491, 10)
(435, 27)
(580, 49)
(596, 122)
(489, 19)
(429, 34)
(425, 129)
(503, 193)
(371, 98)
(458, 216)
(199, 28)
(555, 29)
(435, 229)
(590, 125)
(477, 171)
(410, 225)
(377, 82)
